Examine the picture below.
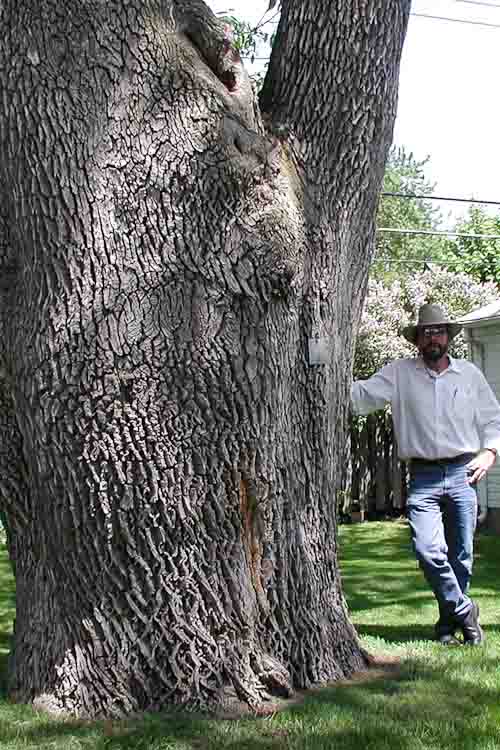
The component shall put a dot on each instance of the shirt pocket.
(463, 402)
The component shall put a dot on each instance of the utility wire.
(477, 2)
(450, 18)
(457, 20)
(440, 18)
(411, 196)
(484, 24)
(391, 230)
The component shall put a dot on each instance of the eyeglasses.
(429, 331)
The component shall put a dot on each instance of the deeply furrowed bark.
(168, 458)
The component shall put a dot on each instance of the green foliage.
(480, 258)
(398, 256)
(402, 253)
(244, 36)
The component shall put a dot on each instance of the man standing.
(447, 426)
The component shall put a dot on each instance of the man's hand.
(477, 468)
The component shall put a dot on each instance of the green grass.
(440, 699)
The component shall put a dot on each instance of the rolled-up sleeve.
(488, 416)
(374, 393)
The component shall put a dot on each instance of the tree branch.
(330, 72)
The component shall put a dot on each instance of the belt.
(461, 458)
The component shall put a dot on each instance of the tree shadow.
(7, 612)
(397, 634)
(380, 572)
(386, 712)
(5, 644)
(423, 706)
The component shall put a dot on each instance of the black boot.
(472, 630)
(445, 629)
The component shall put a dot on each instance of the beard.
(434, 352)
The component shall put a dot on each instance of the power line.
(457, 20)
(446, 233)
(438, 198)
(484, 24)
(477, 2)
(449, 18)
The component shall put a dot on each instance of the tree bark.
(168, 456)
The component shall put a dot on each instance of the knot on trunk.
(252, 149)
(213, 41)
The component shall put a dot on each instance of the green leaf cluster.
(245, 36)
(478, 257)
(399, 255)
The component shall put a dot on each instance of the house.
(482, 334)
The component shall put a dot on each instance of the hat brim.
(410, 332)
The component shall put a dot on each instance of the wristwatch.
(493, 450)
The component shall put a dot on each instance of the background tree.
(478, 257)
(168, 456)
(397, 255)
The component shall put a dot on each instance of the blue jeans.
(442, 513)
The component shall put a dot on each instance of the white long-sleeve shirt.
(435, 416)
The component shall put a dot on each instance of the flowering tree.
(389, 307)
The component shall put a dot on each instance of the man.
(447, 426)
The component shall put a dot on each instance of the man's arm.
(488, 418)
(374, 393)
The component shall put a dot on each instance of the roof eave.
(477, 322)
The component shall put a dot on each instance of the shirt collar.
(454, 364)
(452, 367)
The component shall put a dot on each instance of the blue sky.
(449, 105)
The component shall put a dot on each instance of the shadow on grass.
(411, 633)
(379, 570)
(7, 610)
(446, 700)
(5, 642)
(425, 707)
(397, 634)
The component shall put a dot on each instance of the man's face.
(432, 342)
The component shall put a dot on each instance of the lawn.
(439, 700)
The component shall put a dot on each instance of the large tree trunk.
(168, 455)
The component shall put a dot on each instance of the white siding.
(489, 361)
(493, 487)
(490, 337)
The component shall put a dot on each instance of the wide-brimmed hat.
(431, 315)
